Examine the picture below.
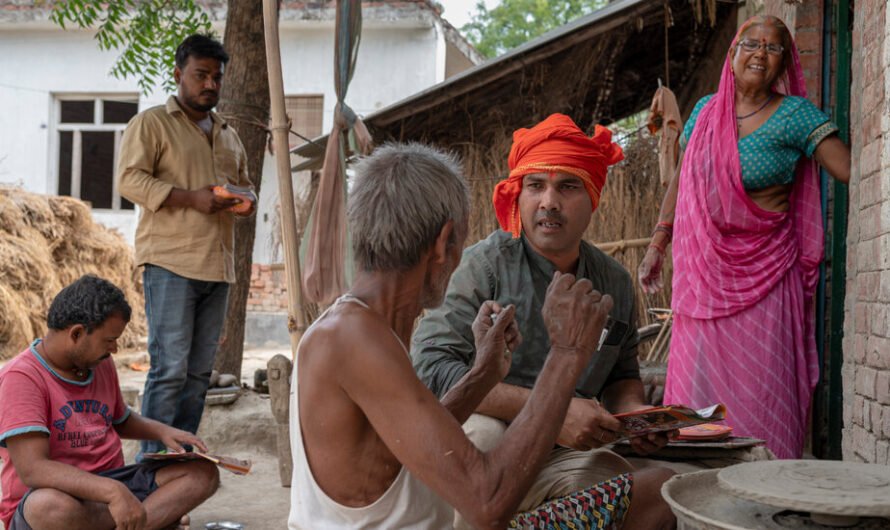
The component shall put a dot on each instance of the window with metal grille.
(89, 131)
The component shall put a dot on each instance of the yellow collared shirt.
(163, 149)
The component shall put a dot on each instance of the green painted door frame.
(842, 17)
(827, 426)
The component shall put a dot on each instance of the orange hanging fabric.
(664, 116)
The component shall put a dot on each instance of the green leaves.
(146, 32)
(515, 22)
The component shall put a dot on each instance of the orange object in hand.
(242, 193)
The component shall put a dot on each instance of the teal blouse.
(770, 153)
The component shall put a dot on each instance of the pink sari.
(743, 284)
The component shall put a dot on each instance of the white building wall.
(36, 66)
(392, 64)
(39, 62)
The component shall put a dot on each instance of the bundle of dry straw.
(45, 244)
(629, 210)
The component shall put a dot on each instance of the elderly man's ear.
(439, 253)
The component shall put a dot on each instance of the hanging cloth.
(324, 277)
(664, 116)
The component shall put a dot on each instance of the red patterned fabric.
(556, 145)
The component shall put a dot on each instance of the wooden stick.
(618, 246)
(296, 321)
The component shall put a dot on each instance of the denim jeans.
(185, 318)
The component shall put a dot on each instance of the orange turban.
(556, 145)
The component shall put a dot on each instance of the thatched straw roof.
(598, 69)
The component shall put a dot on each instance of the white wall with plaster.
(40, 63)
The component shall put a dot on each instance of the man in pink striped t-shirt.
(62, 418)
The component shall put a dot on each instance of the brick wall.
(807, 29)
(867, 307)
(268, 289)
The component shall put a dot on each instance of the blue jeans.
(185, 318)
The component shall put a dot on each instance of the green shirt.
(508, 271)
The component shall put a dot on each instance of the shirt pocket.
(225, 161)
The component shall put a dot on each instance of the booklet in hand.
(668, 418)
(235, 465)
(243, 193)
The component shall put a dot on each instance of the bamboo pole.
(296, 320)
(279, 368)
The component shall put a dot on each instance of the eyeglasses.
(752, 46)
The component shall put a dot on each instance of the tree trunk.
(244, 103)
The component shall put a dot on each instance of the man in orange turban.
(556, 145)
(557, 174)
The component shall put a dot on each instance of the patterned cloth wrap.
(599, 507)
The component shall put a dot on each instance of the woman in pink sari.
(745, 212)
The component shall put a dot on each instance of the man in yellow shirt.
(171, 158)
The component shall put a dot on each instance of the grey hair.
(402, 195)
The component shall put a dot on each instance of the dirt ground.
(247, 430)
(244, 429)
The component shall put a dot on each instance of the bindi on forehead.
(763, 33)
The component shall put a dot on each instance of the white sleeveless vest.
(407, 504)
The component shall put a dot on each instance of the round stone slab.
(817, 486)
(700, 503)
